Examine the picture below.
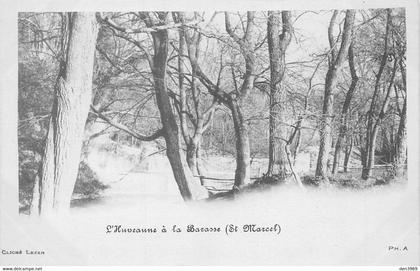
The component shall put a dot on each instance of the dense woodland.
(248, 85)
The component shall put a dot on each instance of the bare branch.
(109, 22)
(124, 128)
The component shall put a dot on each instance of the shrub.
(87, 183)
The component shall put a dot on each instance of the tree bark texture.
(400, 152)
(170, 127)
(232, 100)
(277, 45)
(188, 185)
(200, 119)
(247, 45)
(335, 64)
(348, 153)
(400, 149)
(72, 98)
(243, 154)
(376, 124)
(345, 111)
(372, 127)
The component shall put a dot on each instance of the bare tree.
(336, 60)
(72, 96)
(277, 45)
(374, 120)
(158, 24)
(399, 152)
(348, 152)
(400, 149)
(345, 111)
(233, 100)
(199, 118)
(183, 176)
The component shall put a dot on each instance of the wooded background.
(274, 86)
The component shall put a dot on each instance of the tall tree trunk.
(247, 46)
(191, 136)
(347, 156)
(277, 45)
(345, 111)
(199, 162)
(188, 185)
(372, 132)
(400, 152)
(371, 129)
(192, 157)
(72, 97)
(296, 147)
(194, 142)
(243, 169)
(336, 61)
(326, 123)
(170, 127)
(191, 147)
(232, 101)
(370, 153)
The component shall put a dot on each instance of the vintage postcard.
(209, 133)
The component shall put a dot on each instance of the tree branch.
(109, 22)
(124, 128)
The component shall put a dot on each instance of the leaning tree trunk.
(345, 111)
(72, 97)
(277, 45)
(160, 40)
(336, 61)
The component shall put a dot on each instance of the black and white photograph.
(254, 134)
